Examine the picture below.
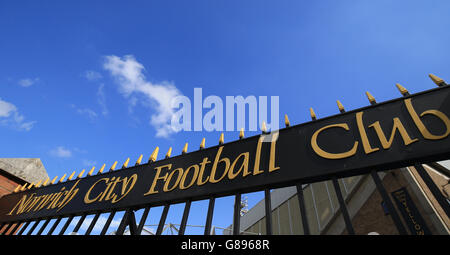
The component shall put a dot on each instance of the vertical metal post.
(268, 207)
(43, 227)
(54, 225)
(15, 228)
(66, 225)
(343, 207)
(108, 222)
(209, 216)
(143, 219)
(394, 215)
(23, 228)
(301, 202)
(6, 229)
(33, 227)
(237, 214)
(162, 220)
(91, 226)
(123, 224)
(433, 188)
(132, 223)
(78, 226)
(187, 208)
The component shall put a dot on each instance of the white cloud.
(92, 75)
(132, 83)
(87, 162)
(91, 114)
(101, 99)
(61, 152)
(27, 82)
(10, 116)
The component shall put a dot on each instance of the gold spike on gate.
(17, 188)
(154, 155)
(438, 81)
(113, 166)
(221, 139)
(23, 187)
(202, 144)
(54, 180)
(126, 163)
(81, 174)
(38, 184)
(31, 185)
(402, 90)
(101, 169)
(62, 178)
(169, 152)
(71, 176)
(263, 127)
(138, 161)
(286, 121)
(46, 181)
(340, 106)
(91, 171)
(185, 148)
(241, 133)
(313, 114)
(371, 98)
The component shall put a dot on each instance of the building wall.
(363, 202)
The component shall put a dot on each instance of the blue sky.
(60, 102)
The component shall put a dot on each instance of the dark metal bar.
(43, 227)
(61, 232)
(23, 228)
(268, 205)
(433, 188)
(343, 207)
(209, 215)
(33, 227)
(78, 226)
(301, 202)
(17, 224)
(187, 208)
(108, 222)
(54, 225)
(123, 223)
(91, 226)
(1, 227)
(6, 229)
(394, 215)
(440, 168)
(143, 219)
(162, 220)
(132, 223)
(237, 214)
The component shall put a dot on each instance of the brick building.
(366, 208)
(19, 171)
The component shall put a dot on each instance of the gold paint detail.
(202, 144)
(340, 106)
(438, 81)
(185, 148)
(221, 139)
(125, 165)
(402, 90)
(286, 121)
(371, 98)
(329, 155)
(362, 132)
(169, 152)
(419, 124)
(241, 133)
(91, 171)
(397, 126)
(113, 166)
(139, 160)
(154, 155)
(81, 174)
(313, 114)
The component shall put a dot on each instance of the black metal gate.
(267, 161)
